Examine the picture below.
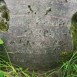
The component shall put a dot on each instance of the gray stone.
(39, 31)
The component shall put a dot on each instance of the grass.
(7, 69)
(68, 68)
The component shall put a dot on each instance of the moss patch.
(74, 30)
(3, 26)
(4, 18)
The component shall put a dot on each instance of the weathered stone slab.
(39, 31)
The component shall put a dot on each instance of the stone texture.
(39, 31)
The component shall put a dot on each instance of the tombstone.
(39, 31)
